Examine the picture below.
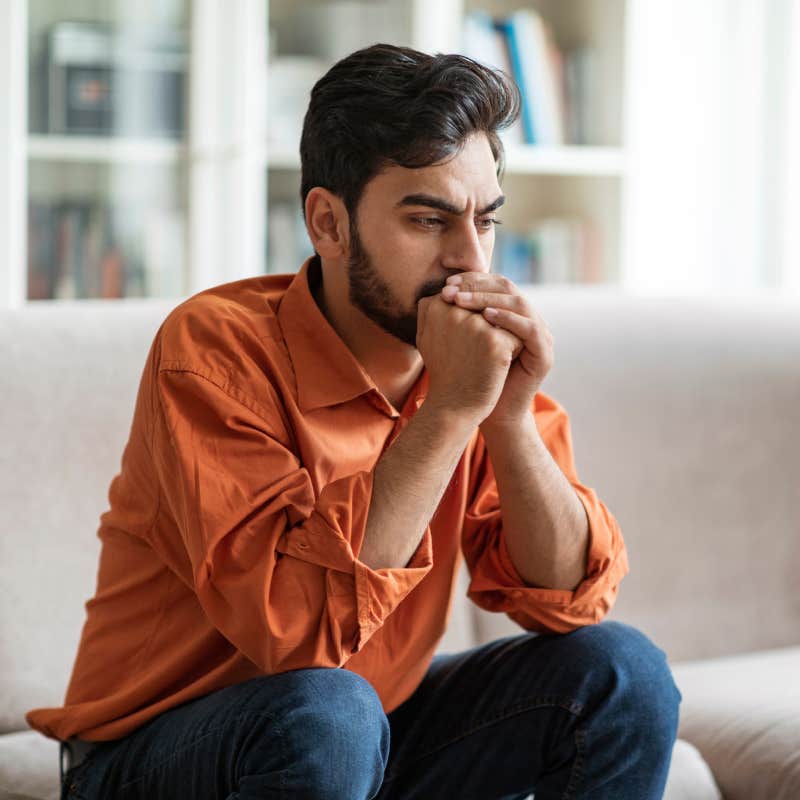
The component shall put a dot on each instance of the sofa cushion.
(689, 776)
(70, 374)
(74, 369)
(29, 766)
(29, 769)
(743, 714)
(685, 419)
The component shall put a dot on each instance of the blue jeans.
(588, 714)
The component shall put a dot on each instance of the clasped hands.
(501, 303)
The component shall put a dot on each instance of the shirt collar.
(327, 372)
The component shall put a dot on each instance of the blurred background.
(151, 148)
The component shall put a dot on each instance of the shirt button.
(302, 545)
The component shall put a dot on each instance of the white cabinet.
(138, 156)
(104, 191)
(132, 150)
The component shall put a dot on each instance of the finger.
(482, 281)
(523, 327)
(422, 313)
(517, 344)
(480, 300)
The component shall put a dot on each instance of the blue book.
(515, 46)
(538, 63)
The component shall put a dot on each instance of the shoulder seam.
(224, 385)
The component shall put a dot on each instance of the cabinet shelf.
(576, 160)
(104, 150)
(520, 160)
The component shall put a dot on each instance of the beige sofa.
(685, 418)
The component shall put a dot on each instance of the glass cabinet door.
(107, 129)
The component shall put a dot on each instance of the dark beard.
(371, 295)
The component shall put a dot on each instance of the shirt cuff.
(557, 610)
(380, 591)
(331, 538)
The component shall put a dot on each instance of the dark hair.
(385, 105)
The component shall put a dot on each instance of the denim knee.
(630, 666)
(337, 735)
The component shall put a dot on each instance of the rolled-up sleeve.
(495, 584)
(274, 567)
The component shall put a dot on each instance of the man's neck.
(393, 366)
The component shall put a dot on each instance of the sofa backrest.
(685, 419)
(685, 415)
(69, 373)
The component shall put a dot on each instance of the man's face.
(404, 246)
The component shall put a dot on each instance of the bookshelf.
(128, 167)
(217, 198)
(566, 199)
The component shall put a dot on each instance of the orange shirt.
(230, 546)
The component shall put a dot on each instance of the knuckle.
(469, 315)
(498, 343)
(518, 304)
(480, 324)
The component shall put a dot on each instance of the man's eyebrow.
(443, 205)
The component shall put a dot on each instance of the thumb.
(422, 314)
(514, 342)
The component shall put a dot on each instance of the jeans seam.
(538, 701)
(211, 732)
(576, 774)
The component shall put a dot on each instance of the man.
(310, 457)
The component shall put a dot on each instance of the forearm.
(410, 479)
(545, 525)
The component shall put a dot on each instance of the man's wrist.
(514, 427)
(447, 418)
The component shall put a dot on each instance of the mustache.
(433, 287)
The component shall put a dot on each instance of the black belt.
(73, 752)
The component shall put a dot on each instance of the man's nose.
(464, 251)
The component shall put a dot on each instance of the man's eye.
(432, 222)
(428, 222)
(487, 223)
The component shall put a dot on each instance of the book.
(566, 250)
(69, 275)
(162, 252)
(538, 69)
(579, 66)
(484, 40)
(514, 256)
(42, 248)
(86, 249)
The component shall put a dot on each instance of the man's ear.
(327, 223)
